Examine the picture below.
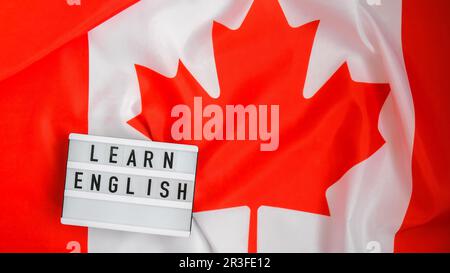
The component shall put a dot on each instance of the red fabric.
(426, 44)
(40, 106)
(31, 29)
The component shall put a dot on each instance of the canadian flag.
(360, 163)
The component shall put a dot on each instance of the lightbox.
(129, 185)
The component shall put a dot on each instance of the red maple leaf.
(265, 62)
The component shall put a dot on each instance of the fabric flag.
(344, 147)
